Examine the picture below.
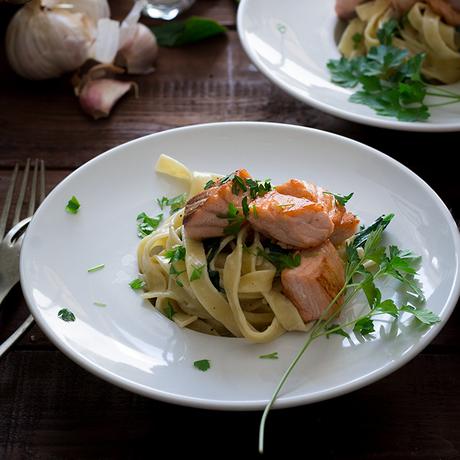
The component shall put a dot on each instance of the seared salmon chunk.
(345, 223)
(205, 213)
(315, 282)
(292, 221)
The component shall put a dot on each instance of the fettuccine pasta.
(421, 31)
(247, 301)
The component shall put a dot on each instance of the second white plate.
(291, 42)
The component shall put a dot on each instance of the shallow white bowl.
(291, 42)
(131, 345)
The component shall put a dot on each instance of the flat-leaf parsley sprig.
(368, 260)
(389, 78)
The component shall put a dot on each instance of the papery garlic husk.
(98, 97)
(47, 43)
(139, 52)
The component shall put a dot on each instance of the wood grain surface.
(51, 409)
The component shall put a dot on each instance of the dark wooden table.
(51, 409)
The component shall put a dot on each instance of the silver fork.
(10, 245)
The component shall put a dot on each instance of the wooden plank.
(51, 408)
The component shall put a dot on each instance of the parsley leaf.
(137, 283)
(341, 200)
(202, 364)
(73, 205)
(423, 315)
(196, 273)
(175, 203)
(280, 258)
(66, 315)
(364, 326)
(235, 221)
(357, 39)
(273, 355)
(175, 254)
(209, 184)
(146, 224)
(169, 311)
(258, 187)
(244, 205)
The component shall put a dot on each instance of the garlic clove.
(128, 26)
(140, 52)
(98, 97)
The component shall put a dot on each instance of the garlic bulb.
(46, 39)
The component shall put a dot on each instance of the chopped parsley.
(100, 304)
(175, 254)
(258, 187)
(357, 40)
(175, 203)
(209, 184)
(169, 311)
(73, 205)
(341, 200)
(96, 268)
(202, 364)
(196, 273)
(244, 205)
(137, 283)
(66, 315)
(146, 224)
(235, 220)
(273, 355)
(280, 258)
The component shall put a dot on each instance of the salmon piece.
(345, 223)
(204, 215)
(448, 10)
(345, 9)
(315, 282)
(292, 221)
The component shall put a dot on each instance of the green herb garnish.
(202, 364)
(176, 203)
(146, 224)
(235, 220)
(175, 254)
(96, 268)
(73, 205)
(209, 184)
(137, 283)
(389, 78)
(100, 304)
(341, 200)
(169, 311)
(389, 261)
(280, 258)
(191, 30)
(238, 185)
(273, 355)
(258, 187)
(357, 39)
(196, 273)
(66, 315)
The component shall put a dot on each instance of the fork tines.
(26, 187)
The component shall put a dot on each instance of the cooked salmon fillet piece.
(205, 213)
(292, 221)
(315, 282)
(345, 223)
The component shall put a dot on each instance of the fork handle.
(15, 335)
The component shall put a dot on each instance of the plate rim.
(375, 120)
(283, 401)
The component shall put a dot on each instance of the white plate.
(131, 345)
(291, 41)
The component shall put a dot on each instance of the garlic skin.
(139, 51)
(98, 97)
(43, 43)
(94, 9)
